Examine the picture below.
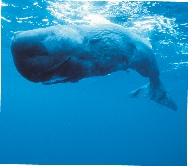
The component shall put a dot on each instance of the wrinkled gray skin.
(68, 53)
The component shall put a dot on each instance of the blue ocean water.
(93, 121)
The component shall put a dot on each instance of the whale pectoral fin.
(157, 93)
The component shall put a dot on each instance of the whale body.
(69, 53)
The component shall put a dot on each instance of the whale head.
(38, 54)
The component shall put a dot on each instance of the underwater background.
(93, 121)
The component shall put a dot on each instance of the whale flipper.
(157, 93)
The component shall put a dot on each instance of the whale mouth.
(48, 75)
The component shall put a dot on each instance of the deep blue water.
(93, 121)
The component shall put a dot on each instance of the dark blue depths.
(93, 121)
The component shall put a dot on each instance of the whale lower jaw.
(55, 80)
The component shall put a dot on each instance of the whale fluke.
(158, 93)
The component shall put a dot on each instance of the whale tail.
(157, 93)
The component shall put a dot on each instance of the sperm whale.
(69, 53)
